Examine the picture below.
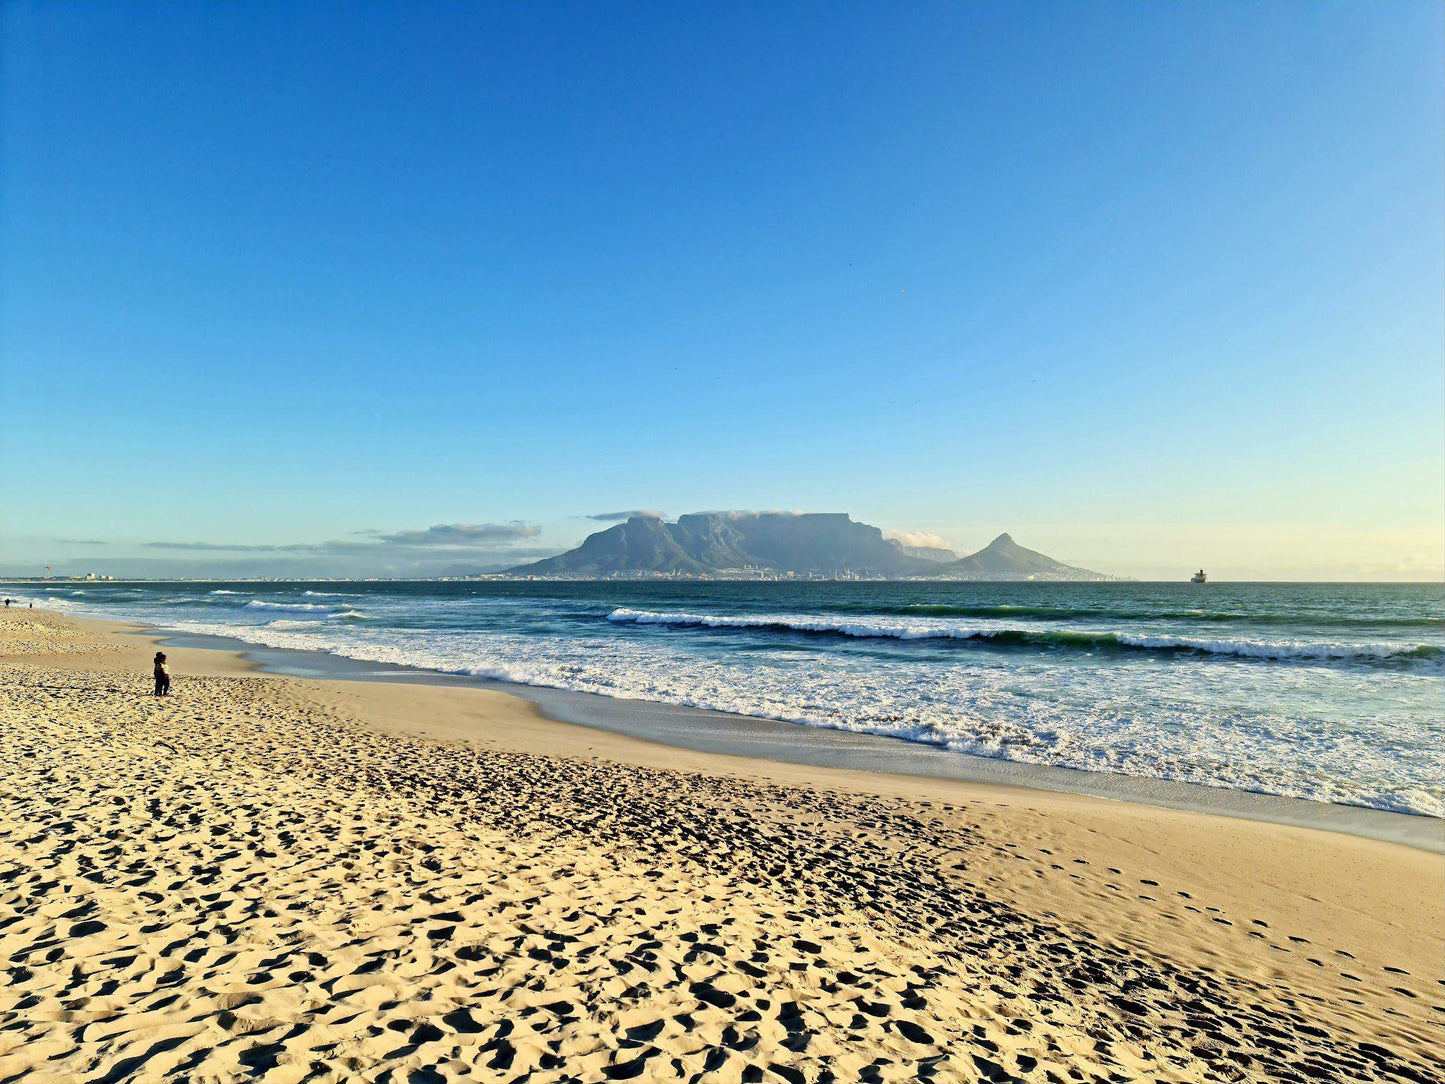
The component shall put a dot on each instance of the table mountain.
(802, 543)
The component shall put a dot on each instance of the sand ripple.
(243, 883)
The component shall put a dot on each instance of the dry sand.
(268, 878)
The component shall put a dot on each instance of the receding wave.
(1284, 651)
(1343, 715)
(300, 607)
(1067, 613)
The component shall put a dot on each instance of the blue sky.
(1149, 286)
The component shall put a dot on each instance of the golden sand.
(267, 878)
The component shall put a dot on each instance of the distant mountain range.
(720, 544)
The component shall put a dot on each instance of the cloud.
(462, 534)
(618, 517)
(208, 547)
(441, 538)
(740, 513)
(441, 549)
(82, 542)
(921, 539)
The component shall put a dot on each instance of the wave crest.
(303, 607)
(1275, 650)
(1073, 613)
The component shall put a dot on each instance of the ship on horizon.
(1199, 577)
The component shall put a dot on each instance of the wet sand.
(272, 877)
(706, 731)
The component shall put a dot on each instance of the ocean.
(1331, 692)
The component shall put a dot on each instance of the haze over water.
(1329, 692)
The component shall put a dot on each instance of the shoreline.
(274, 872)
(709, 732)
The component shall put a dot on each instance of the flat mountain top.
(801, 543)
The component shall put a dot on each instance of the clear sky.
(1150, 286)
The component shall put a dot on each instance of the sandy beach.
(264, 877)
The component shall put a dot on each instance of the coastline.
(282, 872)
(759, 739)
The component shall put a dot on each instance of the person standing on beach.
(163, 675)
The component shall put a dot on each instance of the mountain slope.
(928, 553)
(714, 542)
(812, 543)
(1005, 559)
(641, 544)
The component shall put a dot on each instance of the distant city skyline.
(454, 549)
(378, 289)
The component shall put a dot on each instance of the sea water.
(1331, 692)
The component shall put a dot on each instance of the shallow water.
(1325, 691)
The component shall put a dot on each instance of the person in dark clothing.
(163, 675)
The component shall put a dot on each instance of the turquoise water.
(1324, 691)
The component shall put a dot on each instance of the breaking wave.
(1068, 613)
(261, 604)
(1327, 693)
(1276, 650)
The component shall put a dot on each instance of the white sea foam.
(53, 602)
(894, 628)
(1167, 707)
(1272, 649)
(1039, 634)
(985, 709)
(261, 604)
(42, 603)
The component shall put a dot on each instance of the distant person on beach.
(163, 675)
(7, 603)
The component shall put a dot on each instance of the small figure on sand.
(8, 601)
(163, 675)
